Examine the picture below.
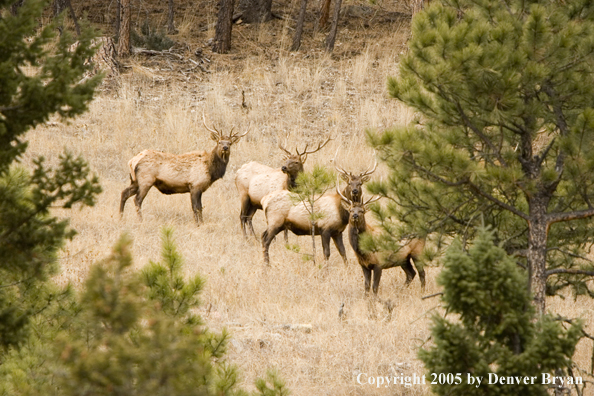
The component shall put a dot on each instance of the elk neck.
(217, 166)
(292, 182)
(354, 240)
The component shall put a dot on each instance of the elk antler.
(371, 200)
(280, 146)
(213, 130)
(368, 171)
(234, 138)
(345, 199)
(305, 152)
(346, 174)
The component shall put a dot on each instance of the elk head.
(354, 182)
(294, 162)
(224, 143)
(357, 208)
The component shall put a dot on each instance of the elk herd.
(262, 187)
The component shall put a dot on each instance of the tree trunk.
(170, 22)
(14, 8)
(73, 16)
(332, 35)
(538, 230)
(118, 19)
(124, 34)
(299, 29)
(256, 11)
(324, 15)
(58, 8)
(222, 43)
(313, 242)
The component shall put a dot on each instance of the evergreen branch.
(482, 136)
(12, 284)
(577, 388)
(473, 188)
(563, 128)
(435, 176)
(573, 63)
(568, 271)
(571, 254)
(432, 295)
(520, 130)
(540, 158)
(496, 201)
(571, 322)
(16, 107)
(577, 215)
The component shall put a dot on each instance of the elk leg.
(367, 276)
(421, 270)
(377, 275)
(326, 245)
(286, 236)
(245, 217)
(197, 205)
(409, 270)
(140, 197)
(267, 237)
(337, 238)
(127, 193)
(250, 216)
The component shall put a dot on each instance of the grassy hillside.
(293, 98)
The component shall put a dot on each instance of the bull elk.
(254, 181)
(192, 172)
(353, 190)
(283, 213)
(405, 257)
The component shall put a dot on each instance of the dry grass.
(295, 96)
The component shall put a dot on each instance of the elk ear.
(365, 179)
(214, 137)
(344, 177)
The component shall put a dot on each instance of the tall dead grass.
(294, 99)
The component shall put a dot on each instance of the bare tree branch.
(503, 205)
(568, 271)
(432, 295)
(571, 254)
(480, 134)
(577, 215)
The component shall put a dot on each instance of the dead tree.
(299, 30)
(118, 19)
(59, 7)
(124, 31)
(332, 35)
(170, 20)
(222, 39)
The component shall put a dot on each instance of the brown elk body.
(405, 257)
(192, 172)
(254, 181)
(282, 213)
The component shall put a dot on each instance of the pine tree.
(504, 133)
(309, 187)
(497, 330)
(128, 333)
(29, 236)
